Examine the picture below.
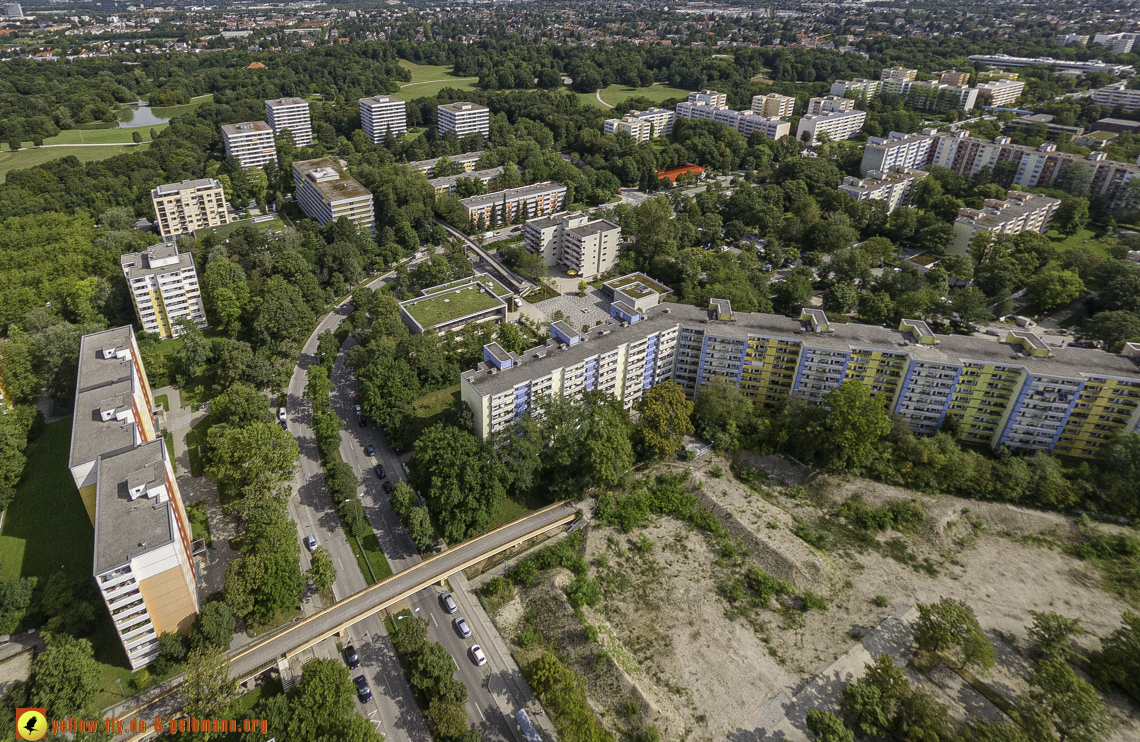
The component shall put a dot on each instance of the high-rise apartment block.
(1018, 392)
(1019, 212)
(251, 143)
(13, 10)
(449, 184)
(898, 74)
(506, 206)
(291, 114)
(897, 150)
(1117, 95)
(773, 104)
(181, 208)
(829, 104)
(463, 118)
(953, 77)
(926, 95)
(143, 563)
(382, 114)
(709, 98)
(642, 125)
(1000, 92)
(895, 186)
(574, 241)
(1117, 43)
(746, 122)
(325, 192)
(164, 288)
(837, 126)
(859, 87)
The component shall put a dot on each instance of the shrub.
(813, 602)
(768, 586)
(817, 539)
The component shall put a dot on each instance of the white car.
(281, 414)
(477, 655)
(311, 542)
(358, 409)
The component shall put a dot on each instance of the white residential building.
(181, 208)
(894, 187)
(643, 125)
(13, 10)
(1000, 92)
(1118, 43)
(573, 241)
(463, 118)
(897, 150)
(1020, 212)
(1117, 95)
(829, 104)
(251, 143)
(164, 288)
(746, 122)
(291, 114)
(898, 74)
(325, 192)
(381, 114)
(773, 104)
(506, 206)
(837, 126)
(860, 86)
(709, 98)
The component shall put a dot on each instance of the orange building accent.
(674, 172)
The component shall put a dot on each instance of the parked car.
(363, 692)
(351, 658)
(281, 414)
(284, 426)
(369, 450)
(388, 487)
(380, 471)
(477, 655)
(361, 421)
(311, 542)
(460, 624)
(359, 409)
(448, 603)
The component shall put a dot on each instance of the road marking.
(433, 620)
(484, 718)
(455, 663)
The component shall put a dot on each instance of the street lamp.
(119, 682)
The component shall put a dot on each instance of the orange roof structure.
(255, 66)
(674, 172)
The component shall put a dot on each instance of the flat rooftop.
(379, 100)
(90, 436)
(125, 527)
(486, 199)
(452, 303)
(450, 180)
(338, 189)
(460, 159)
(497, 288)
(280, 102)
(94, 370)
(171, 189)
(249, 127)
(637, 285)
(594, 227)
(462, 107)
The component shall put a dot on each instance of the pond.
(139, 114)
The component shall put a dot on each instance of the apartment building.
(447, 184)
(450, 307)
(251, 143)
(1000, 92)
(325, 192)
(859, 87)
(897, 150)
(574, 242)
(290, 114)
(381, 115)
(898, 74)
(932, 96)
(709, 98)
(773, 104)
(164, 288)
(1044, 122)
(1117, 43)
(829, 104)
(837, 126)
(1018, 392)
(746, 122)
(1117, 95)
(466, 161)
(1091, 65)
(181, 208)
(1019, 212)
(953, 77)
(463, 118)
(895, 186)
(143, 563)
(640, 130)
(507, 206)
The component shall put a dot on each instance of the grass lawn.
(429, 79)
(224, 230)
(26, 158)
(430, 408)
(371, 555)
(199, 523)
(163, 401)
(615, 94)
(513, 508)
(167, 112)
(101, 136)
(1084, 238)
(196, 437)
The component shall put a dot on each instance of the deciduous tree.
(665, 419)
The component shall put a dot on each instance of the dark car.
(361, 421)
(388, 487)
(351, 658)
(448, 603)
(363, 692)
(369, 450)
(380, 471)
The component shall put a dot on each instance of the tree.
(1052, 634)
(920, 718)
(1112, 328)
(1072, 216)
(855, 423)
(208, 692)
(721, 413)
(951, 624)
(1118, 661)
(665, 419)
(607, 452)
(66, 676)
(324, 701)
(1053, 288)
(828, 727)
(420, 529)
(322, 571)
(171, 651)
(214, 626)
(1117, 473)
(461, 479)
(241, 455)
(1074, 707)
(841, 298)
(448, 718)
(240, 406)
(195, 349)
(871, 699)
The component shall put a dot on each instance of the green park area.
(615, 94)
(429, 79)
(1083, 238)
(26, 158)
(224, 230)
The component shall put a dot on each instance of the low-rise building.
(1117, 95)
(1063, 65)
(1117, 125)
(290, 114)
(463, 118)
(1019, 212)
(143, 560)
(452, 306)
(164, 288)
(773, 104)
(829, 104)
(448, 183)
(1042, 123)
(181, 208)
(837, 126)
(325, 192)
(1000, 92)
(251, 143)
(381, 115)
(466, 161)
(895, 186)
(507, 206)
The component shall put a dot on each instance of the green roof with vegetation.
(444, 305)
(482, 278)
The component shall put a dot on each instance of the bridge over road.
(252, 659)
